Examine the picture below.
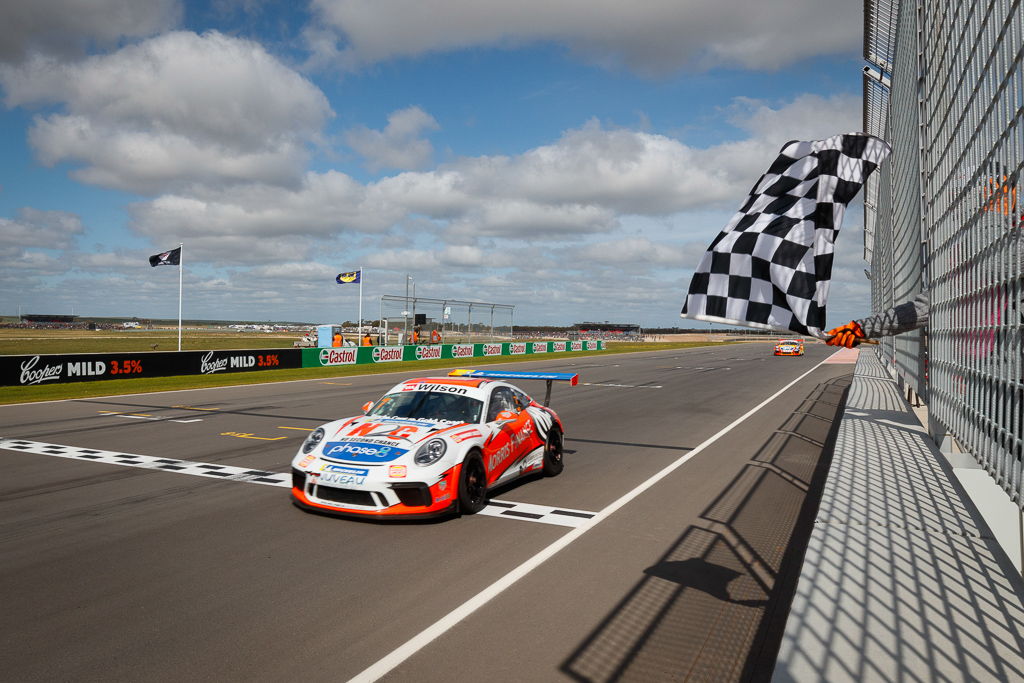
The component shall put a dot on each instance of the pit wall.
(84, 367)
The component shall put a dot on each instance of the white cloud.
(66, 28)
(636, 251)
(651, 36)
(171, 111)
(42, 229)
(580, 186)
(399, 145)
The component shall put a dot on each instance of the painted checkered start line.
(504, 509)
(198, 469)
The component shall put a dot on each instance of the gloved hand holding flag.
(771, 266)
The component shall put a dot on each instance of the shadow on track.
(715, 604)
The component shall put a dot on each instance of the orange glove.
(849, 335)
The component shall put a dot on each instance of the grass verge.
(113, 387)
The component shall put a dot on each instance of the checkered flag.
(770, 267)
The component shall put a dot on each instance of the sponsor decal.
(387, 354)
(540, 347)
(379, 442)
(361, 452)
(515, 441)
(341, 469)
(576, 346)
(305, 461)
(403, 432)
(124, 367)
(442, 498)
(428, 352)
(397, 471)
(463, 436)
(242, 361)
(436, 388)
(87, 368)
(558, 346)
(209, 365)
(492, 349)
(31, 375)
(339, 479)
(517, 348)
(340, 356)
(462, 350)
(443, 484)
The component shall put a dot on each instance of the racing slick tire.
(553, 462)
(472, 485)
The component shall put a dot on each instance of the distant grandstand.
(606, 330)
(62, 319)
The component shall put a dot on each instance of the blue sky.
(572, 158)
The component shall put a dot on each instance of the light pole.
(405, 313)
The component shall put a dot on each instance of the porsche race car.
(430, 446)
(789, 347)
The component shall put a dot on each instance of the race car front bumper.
(381, 499)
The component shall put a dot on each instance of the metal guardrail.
(946, 90)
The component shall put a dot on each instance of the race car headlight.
(430, 452)
(313, 440)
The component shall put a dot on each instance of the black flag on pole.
(168, 258)
(771, 266)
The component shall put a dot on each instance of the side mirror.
(506, 415)
(367, 406)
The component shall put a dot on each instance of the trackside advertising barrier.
(360, 355)
(85, 367)
(42, 369)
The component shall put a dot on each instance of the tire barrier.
(41, 369)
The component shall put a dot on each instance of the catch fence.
(944, 87)
(454, 320)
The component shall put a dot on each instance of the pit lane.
(155, 575)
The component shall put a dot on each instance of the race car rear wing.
(571, 377)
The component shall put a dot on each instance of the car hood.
(371, 439)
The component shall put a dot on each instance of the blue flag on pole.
(349, 278)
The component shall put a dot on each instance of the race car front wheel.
(472, 485)
(553, 463)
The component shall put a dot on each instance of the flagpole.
(359, 335)
(181, 268)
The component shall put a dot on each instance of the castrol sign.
(462, 350)
(517, 348)
(428, 352)
(492, 349)
(387, 354)
(341, 356)
(540, 347)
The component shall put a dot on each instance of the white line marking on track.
(403, 652)
(106, 413)
(505, 509)
(623, 386)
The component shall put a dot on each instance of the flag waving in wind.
(771, 266)
(349, 278)
(168, 258)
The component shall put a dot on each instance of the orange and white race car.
(430, 446)
(789, 347)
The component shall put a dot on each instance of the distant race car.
(430, 446)
(790, 347)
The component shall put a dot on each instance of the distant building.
(33, 318)
(606, 330)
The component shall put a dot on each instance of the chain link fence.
(944, 88)
(452, 321)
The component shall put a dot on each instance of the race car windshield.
(428, 405)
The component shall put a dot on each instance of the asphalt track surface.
(131, 572)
